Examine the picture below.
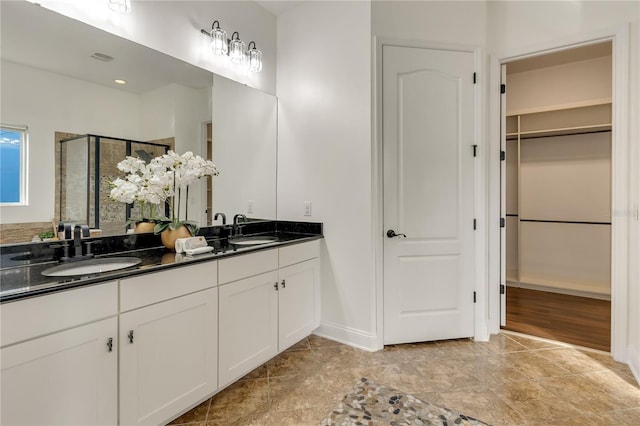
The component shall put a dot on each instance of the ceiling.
(566, 56)
(278, 7)
(35, 36)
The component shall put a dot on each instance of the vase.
(143, 227)
(169, 236)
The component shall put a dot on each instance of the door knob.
(391, 233)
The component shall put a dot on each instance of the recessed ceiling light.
(118, 81)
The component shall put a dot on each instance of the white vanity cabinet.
(168, 342)
(59, 358)
(268, 301)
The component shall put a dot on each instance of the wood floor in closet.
(571, 319)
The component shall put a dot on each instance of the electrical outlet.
(250, 207)
(307, 208)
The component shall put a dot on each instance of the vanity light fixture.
(120, 6)
(234, 48)
(254, 58)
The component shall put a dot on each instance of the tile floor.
(511, 380)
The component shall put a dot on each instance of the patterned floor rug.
(370, 404)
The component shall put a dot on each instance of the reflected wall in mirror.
(51, 83)
(244, 145)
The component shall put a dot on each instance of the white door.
(168, 357)
(428, 168)
(65, 378)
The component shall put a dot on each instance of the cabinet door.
(168, 357)
(299, 302)
(248, 325)
(65, 378)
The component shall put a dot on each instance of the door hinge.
(502, 222)
(475, 222)
(503, 88)
(503, 155)
(474, 78)
(474, 297)
(501, 288)
(475, 150)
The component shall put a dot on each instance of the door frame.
(481, 325)
(619, 177)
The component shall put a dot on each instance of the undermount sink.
(255, 240)
(92, 266)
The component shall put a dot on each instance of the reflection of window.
(13, 161)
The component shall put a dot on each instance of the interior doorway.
(556, 195)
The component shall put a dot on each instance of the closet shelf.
(566, 131)
(571, 222)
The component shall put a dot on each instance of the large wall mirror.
(58, 78)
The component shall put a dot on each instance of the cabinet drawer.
(37, 316)
(297, 253)
(247, 265)
(148, 289)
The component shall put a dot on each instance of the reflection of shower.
(87, 164)
(144, 155)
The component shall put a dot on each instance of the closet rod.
(565, 221)
(566, 134)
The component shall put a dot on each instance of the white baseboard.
(349, 336)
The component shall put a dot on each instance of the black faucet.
(224, 217)
(236, 230)
(79, 231)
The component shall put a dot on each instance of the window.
(13, 165)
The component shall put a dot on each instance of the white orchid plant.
(160, 181)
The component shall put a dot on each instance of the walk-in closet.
(558, 195)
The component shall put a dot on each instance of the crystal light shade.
(120, 6)
(236, 49)
(254, 58)
(218, 39)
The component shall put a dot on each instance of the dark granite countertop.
(21, 266)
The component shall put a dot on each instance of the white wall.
(459, 22)
(47, 103)
(173, 27)
(324, 152)
(526, 26)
